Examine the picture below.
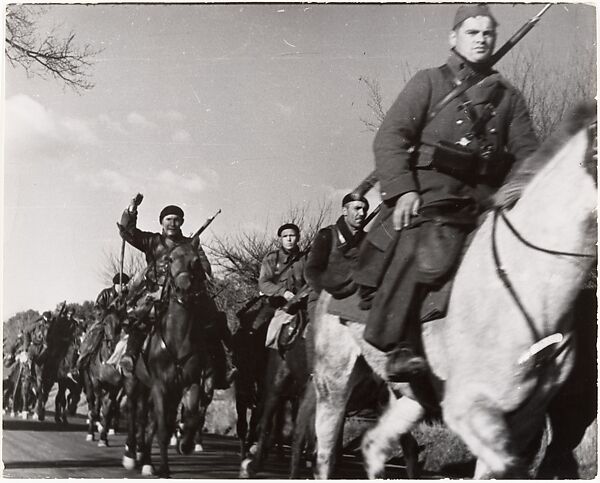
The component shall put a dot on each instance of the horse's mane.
(512, 190)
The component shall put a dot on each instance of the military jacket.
(273, 281)
(332, 257)
(401, 157)
(105, 297)
(156, 247)
(402, 141)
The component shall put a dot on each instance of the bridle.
(501, 271)
(170, 291)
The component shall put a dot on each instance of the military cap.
(170, 210)
(116, 279)
(288, 226)
(355, 197)
(472, 10)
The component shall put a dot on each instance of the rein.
(169, 289)
(503, 275)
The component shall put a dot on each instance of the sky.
(252, 109)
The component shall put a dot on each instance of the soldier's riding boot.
(134, 346)
(406, 361)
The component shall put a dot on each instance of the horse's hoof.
(128, 463)
(246, 470)
(89, 437)
(111, 432)
(102, 443)
(138, 456)
(173, 441)
(99, 427)
(24, 414)
(12, 414)
(87, 421)
(198, 448)
(253, 449)
(162, 472)
(184, 449)
(147, 470)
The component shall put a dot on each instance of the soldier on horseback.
(35, 337)
(444, 147)
(144, 299)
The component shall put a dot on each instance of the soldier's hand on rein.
(407, 206)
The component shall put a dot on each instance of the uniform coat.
(403, 159)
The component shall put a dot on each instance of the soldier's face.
(171, 225)
(354, 214)
(289, 239)
(474, 39)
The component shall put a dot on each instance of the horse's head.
(186, 275)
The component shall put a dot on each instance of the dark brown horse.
(175, 366)
(67, 381)
(102, 382)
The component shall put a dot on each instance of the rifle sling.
(460, 87)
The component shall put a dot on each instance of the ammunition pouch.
(453, 159)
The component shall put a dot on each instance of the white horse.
(504, 348)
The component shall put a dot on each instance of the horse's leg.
(41, 402)
(279, 376)
(241, 409)
(131, 390)
(333, 379)
(105, 415)
(91, 402)
(190, 419)
(206, 397)
(392, 428)
(483, 427)
(60, 401)
(302, 434)
(163, 428)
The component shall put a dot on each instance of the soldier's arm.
(522, 140)
(131, 234)
(399, 131)
(266, 278)
(318, 258)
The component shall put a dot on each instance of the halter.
(503, 275)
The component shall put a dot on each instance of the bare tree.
(53, 54)
(239, 256)
(375, 100)
(133, 264)
(551, 89)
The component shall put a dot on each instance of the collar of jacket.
(462, 68)
(345, 238)
(285, 256)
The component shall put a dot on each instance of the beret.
(170, 210)
(116, 279)
(472, 10)
(288, 226)
(355, 197)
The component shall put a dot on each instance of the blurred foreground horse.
(505, 346)
(175, 366)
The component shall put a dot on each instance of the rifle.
(206, 223)
(371, 179)
(62, 309)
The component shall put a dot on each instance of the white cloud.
(191, 182)
(181, 136)
(108, 179)
(34, 132)
(110, 124)
(137, 119)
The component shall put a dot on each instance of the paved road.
(33, 449)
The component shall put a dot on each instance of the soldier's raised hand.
(407, 206)
(135, 202)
